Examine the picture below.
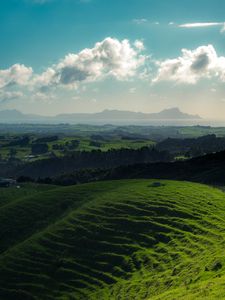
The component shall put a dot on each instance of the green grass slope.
(114, 240)
(11, 194)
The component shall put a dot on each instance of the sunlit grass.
(130, 239)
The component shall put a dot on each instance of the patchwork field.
(12, 147)
(128, 239)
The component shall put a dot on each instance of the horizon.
(105, 110)
(178, 119)
(79, 56)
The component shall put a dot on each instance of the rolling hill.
(128, 239)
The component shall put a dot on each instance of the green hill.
(128, 239)
(8, 195)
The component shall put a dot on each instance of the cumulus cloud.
(16, 74)
(110, 57)
(192, 66)
(45, 79)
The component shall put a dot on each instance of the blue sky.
(38, 36)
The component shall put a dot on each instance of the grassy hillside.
(127, 239)
(8, 195)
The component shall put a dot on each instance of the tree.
(12, 153)
(39, 149)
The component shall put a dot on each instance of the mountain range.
(106, 116)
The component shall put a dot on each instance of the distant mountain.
(15, 116)
(106, 116)
(173, 113)
(115, 115)
(11, 115)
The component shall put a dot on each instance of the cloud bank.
(111, 58)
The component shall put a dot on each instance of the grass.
(129, 239)
(114, 143)
(8, 195)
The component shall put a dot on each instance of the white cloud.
(139, 45)
(203, 24)
(109, 57)
(45, 79)
(140, 21)
(6, 96)
(192, 66)
(144, 21)
(16, 74)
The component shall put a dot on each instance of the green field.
(114, 143)
(130, 239)
(23, 153)
(104, 137)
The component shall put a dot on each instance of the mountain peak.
(175, 113)
(174, 109)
